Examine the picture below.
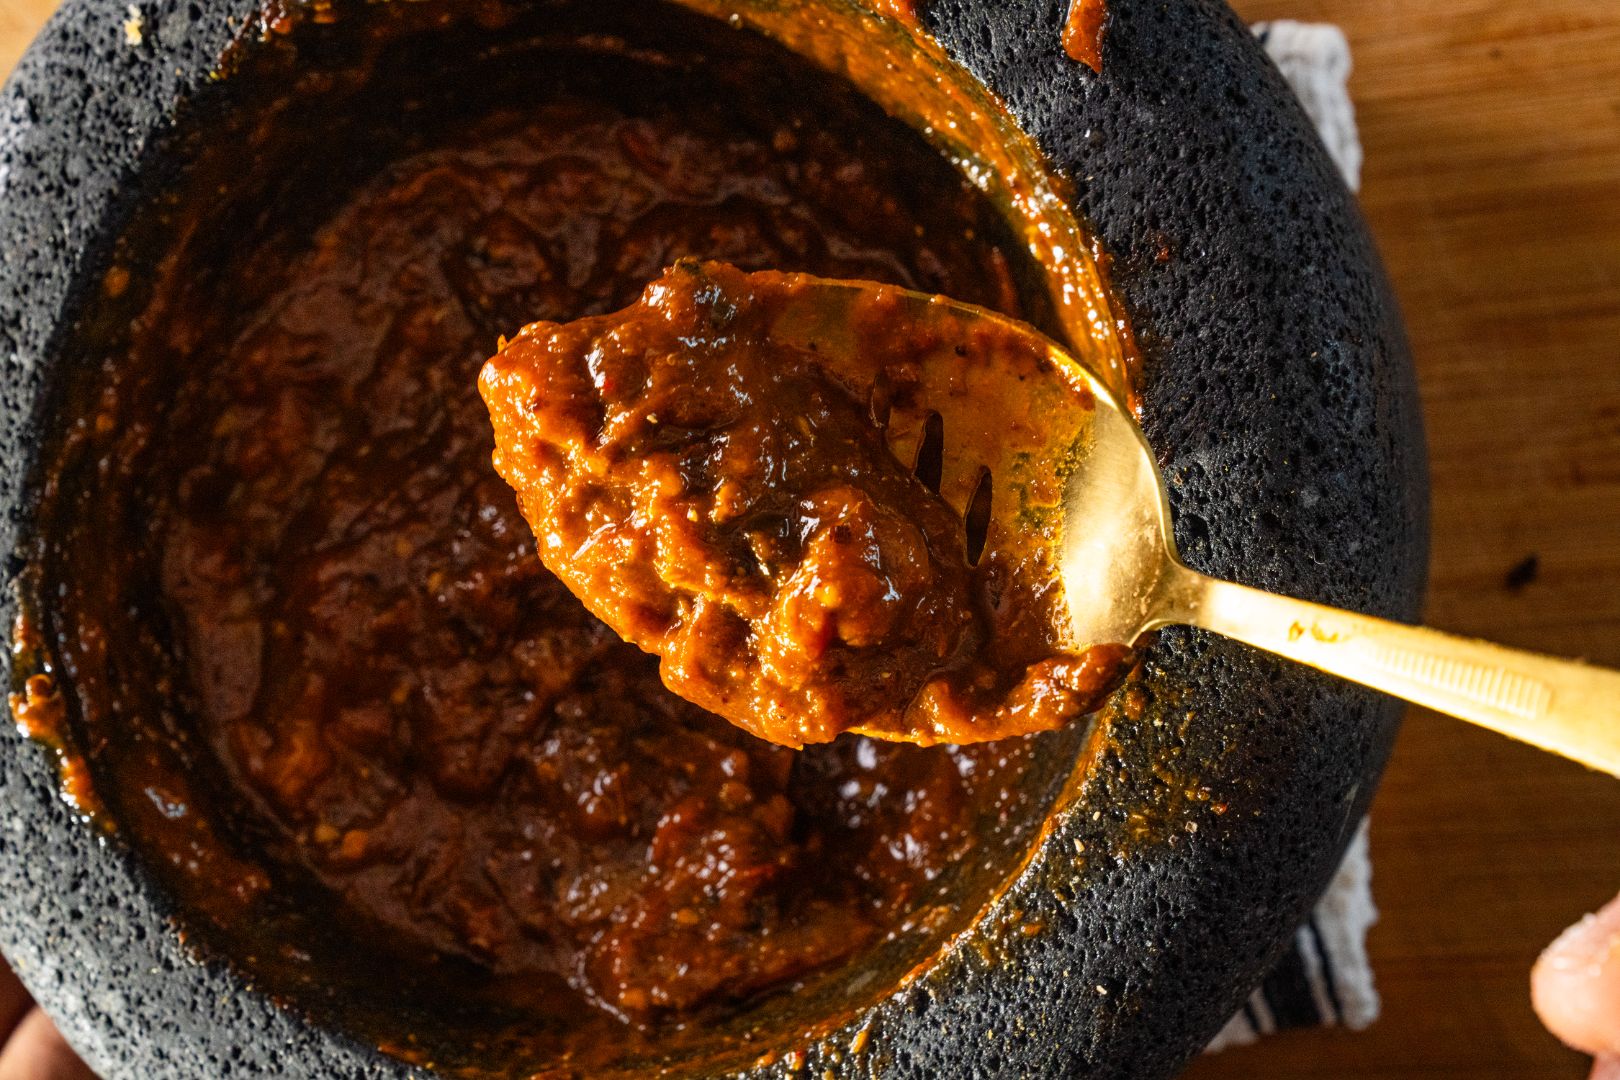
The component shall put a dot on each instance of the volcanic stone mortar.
(1276, 385)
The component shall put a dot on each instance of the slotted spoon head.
(1077, 529)
(652, 449)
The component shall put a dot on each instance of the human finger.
(37, 1051)
(1576, 984)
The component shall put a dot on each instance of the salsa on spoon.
(747, 475)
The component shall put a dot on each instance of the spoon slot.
(977, 518)
(880, 402)
(930, 464)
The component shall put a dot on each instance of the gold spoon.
(1094, 488)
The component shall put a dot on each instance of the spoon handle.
(1563, 706)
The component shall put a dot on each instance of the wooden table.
(1492, 131)
(19, 21)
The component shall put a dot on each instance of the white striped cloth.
(1325, 979)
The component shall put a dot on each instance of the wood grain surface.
(1492, 181)
(19, 21)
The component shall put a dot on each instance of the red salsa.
(335, 612)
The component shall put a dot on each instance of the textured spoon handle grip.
(1569, 708)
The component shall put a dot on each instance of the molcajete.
(1107, 918)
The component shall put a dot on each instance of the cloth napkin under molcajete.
(1325, 977)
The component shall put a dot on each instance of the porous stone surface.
(1277, 387)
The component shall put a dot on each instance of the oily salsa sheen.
(344, 621)
(721, 496)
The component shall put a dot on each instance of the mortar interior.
(253, 171)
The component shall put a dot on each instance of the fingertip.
(1575, 986)
(37, 1051)
(14, 1002)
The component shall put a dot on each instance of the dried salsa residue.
(1083, 32)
